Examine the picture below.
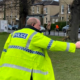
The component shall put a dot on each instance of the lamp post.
(11, 12)
(4, 11)
(67, 14)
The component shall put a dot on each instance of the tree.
(23, 12)
(74, 20)
(24, 9)
(25, 6)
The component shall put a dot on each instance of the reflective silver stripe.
(30, 38)
(17, 67)
(11, 34)
(38, 71)
(25, 69)
(68, 45)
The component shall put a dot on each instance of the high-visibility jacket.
(57, 27)
(25, 54)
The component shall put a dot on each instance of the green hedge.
(60, 24)
(45, 25)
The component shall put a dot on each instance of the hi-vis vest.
(57, 27)
(25, 54)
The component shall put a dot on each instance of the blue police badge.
(20, 35)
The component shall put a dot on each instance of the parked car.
(15, 27)
(9, 27)
(79, 30)
(42, 29)
(65, 28)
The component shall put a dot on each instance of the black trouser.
(31, 78)
(57, 30)
(49, 32)
(31, 75)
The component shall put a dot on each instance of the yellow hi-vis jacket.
(25, 54)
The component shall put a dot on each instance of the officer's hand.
(77, 44)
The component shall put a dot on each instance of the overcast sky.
(56, 0)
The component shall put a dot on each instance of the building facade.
(64, 9)
(44, 11)
(1, 12)
(50, 10)
(12, 11)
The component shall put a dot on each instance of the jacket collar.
(31, 27)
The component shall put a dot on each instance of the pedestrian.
(48, 27)
(25, 56)
(57, 28)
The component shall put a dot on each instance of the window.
(68, 8)
(56, 20)
(46, 20)
(53, 20)
(7, 17)
(32, 9)
(67, 19)
(37, 9)
(46, 10)
(62, 9)
(62, 18)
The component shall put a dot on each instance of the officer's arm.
(6, 44)
(5, 48)
(42, 41)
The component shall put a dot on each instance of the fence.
(55, 33)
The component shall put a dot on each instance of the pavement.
(59, 33)
(53, 33)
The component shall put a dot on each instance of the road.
(46, 33)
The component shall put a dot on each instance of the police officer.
(25, 56)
